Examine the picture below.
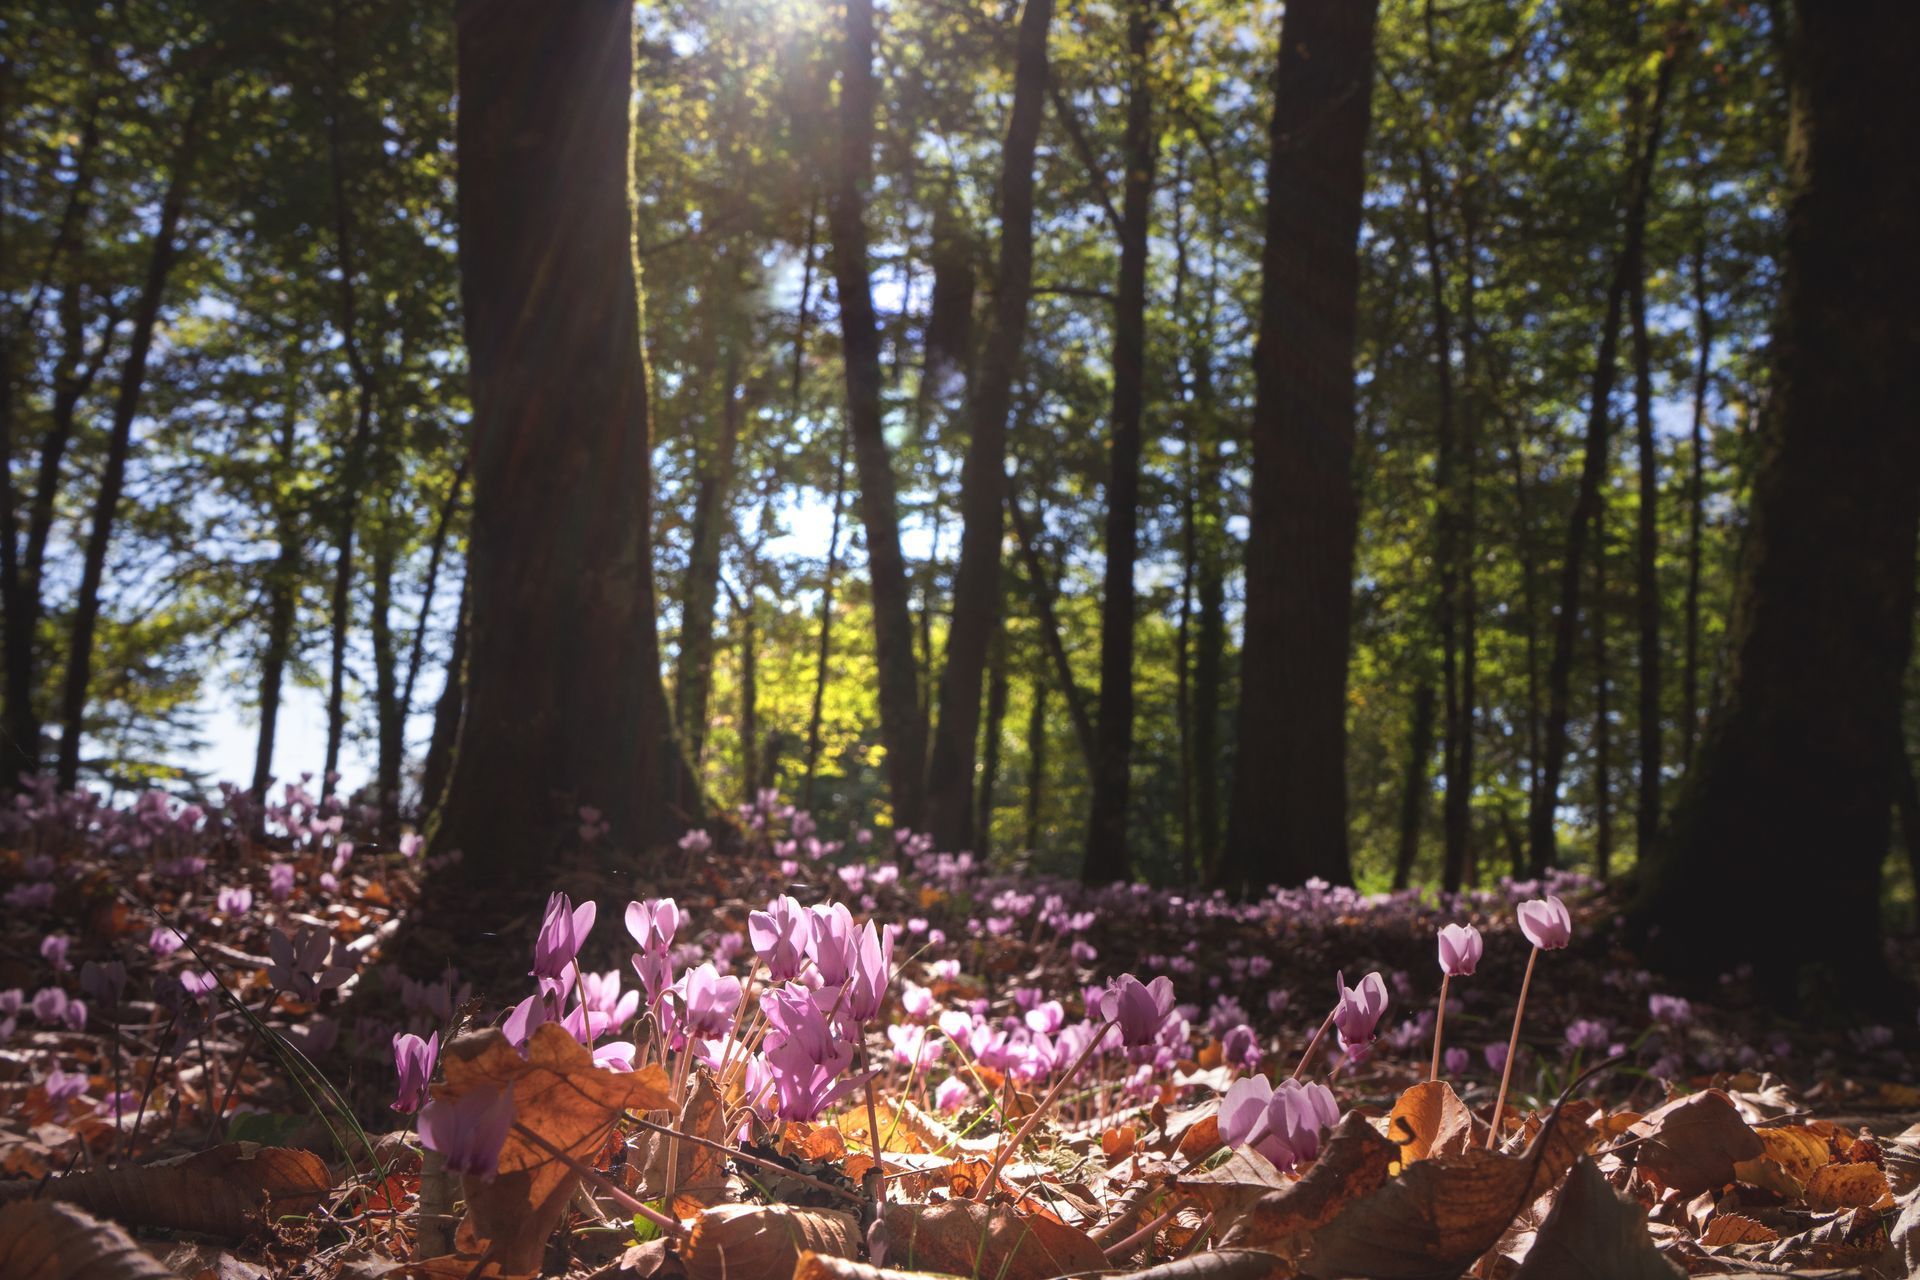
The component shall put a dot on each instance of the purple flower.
(1457, 1061)
(832, 942)
(872, 973)
(913, 1047)
(952, 1094)
(469, 1131)
(1140, 1009)
(50, 1005)
(164, 941)
(300, 963)
(198, 985)
(1545, 922)
(707, 1004)
(1360, 1009)
(280, 881)
(31, 895)
(235, 901)
(63, 1087)
(653, 924)
(1460, 948)
(1284, 1124)
(1586, 1033)
(53, 949)
(1675, 1011)
(779, 935)
(413, 1060)
(561, 933)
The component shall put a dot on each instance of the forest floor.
(198, 1027)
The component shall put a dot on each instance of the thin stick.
(1439, 1025)
(1000, 1157)
(747, 1157)
(1314, 1043)
(1115, 1252)
(1513, 1049)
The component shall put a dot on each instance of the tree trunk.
(903, 730)
(447, 715)
(1413, 793)
(825, 650)
(711, 517)
(750, 778)
(133, 377)
(1647, 568)
(1040, 587)
(1627, 266)
(435, 558)
(982, 843)
(564, 703)
(390, 719)
(1107, 856)
(1907, 805)
(977, 596)
(1795, 761)
(283, 600)
(1602, 705)
(1696, 505)
(1287, 820)
(1036, 762)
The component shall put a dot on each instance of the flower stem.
(873, 1129)
(1439, 1025)
(1314, 1043)
(1000, 1156)
(1513, 1050)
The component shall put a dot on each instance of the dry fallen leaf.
(970, 1238)
(48, 1240)
(558, 1094)
(1693, 1143)
(1592, 1232)
(735, 1240)
(1355, 1162)
(1734, 1228)
(1847, 1186)
(1429, 1120)
(1797, 1151)
(229, 1191)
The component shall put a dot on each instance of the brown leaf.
(229, 1191)
(1692, 1143)
(700, 1171)
(1735, 1228)
(815, 1266)
(1847, 1186)
(48, 1240)
(1797, 1151)
(1354, 1163)
(1218, 1264)
(1232, 1187)
(1430, 1120)
(1591, 1231)
(1441, 1213)
(558, 1094)
(735, 1240)
(970, 1238)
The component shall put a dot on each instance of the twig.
(612, 1191)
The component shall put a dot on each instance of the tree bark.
(1602, 705)
(133, 377)
(997, 691)
(435, 557)
(1036, 761)
(390, 719)
(825, 650)
(1040, 587)
(1795, 762)
(1287, 818)
(1107, 856)
(1541, 836)
(903, 730)
(713, 486)
(977, 596)
(750, 759)
(1413, 792)
(283, 585)
(447, 715)
(564, 703)
(1696, 506)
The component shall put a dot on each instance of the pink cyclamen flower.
(561, 933)
(65, 1086)
(872, 972)
(1545, 922)
(235, 901)
(413, 1060)
(470, 1130)
(1140, 1008)
(53, 949)
(411, 844)
(50, 1005)
(280, 881)
(832, 942)
(163, 941)
(779, 936)
(1460, 949)
(951, 1095)
(653, 924)
(1360, 1009)
(1284, 1124)
(709, 1001)
(1458, 1060)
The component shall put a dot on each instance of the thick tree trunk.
(1646, 569)
(712, 494)
(1287, 820)
(1107, 856)
(133, 378)
(447, 715)
(903, 729)
(977, 596)
(1907, 805)
(564, 703)
(1627, 265)
(1413, 792)
(1696, 506)
(1795, 763)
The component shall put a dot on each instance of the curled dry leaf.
(558, 1094)
(1355, 1162)
(1736, 1228)
(1592, 1232)
(1236, 1184)
(819, 1266)
(1848, 1186)
(1693, 1143)
(229, 1191)
(1797, 1151)
(735, 1240)
(974, 1239)
(1441, 1213)
(700, 1177)
(1430, 1120)
(48, 1240)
